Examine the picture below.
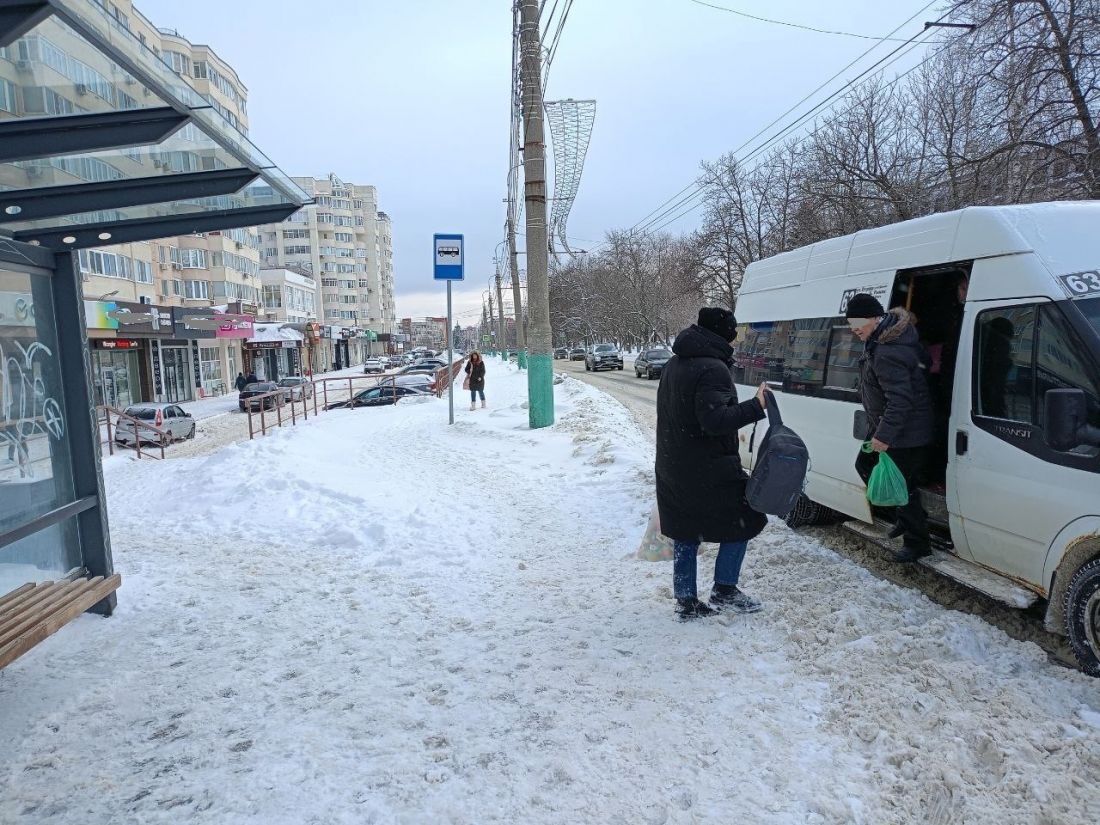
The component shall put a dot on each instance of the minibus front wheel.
(806, 513)
(1082, 608)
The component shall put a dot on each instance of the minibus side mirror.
(1066, 417)
(861, 426)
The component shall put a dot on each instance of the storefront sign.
(271, 344)
(206, 322)
(130, 318)
(158, 384)
(16, 309)
(195, 363)
(235, 326)
(117, 343)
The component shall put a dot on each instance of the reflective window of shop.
(35, 459)
(210, 362)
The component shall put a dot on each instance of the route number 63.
(1081, 283)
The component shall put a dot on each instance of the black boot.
(910, 554)
(896, 532)
(729, 597)
(692, 608)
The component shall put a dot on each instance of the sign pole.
(449, 265)
(450, 356)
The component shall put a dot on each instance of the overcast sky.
(412, 97)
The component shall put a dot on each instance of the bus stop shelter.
(118, 148)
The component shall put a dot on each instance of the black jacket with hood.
(700, 481)
(893, 384)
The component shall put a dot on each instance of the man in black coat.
(241, 381)
(894, 390)
(700, 481)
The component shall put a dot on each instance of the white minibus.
(1007, 304)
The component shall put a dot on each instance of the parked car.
(300, 388)
(561, 353)
(381, 396)
(171, 419)
(604, 357)
(438, 363)
(650, 363)
(414, 369)
(373, 365)
(577, 354)
(246, 399)
(394, 361)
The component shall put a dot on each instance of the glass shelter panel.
(35, 459)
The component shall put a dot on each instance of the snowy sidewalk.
(400, 621)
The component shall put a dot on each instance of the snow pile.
(375, 617)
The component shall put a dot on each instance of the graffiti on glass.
(27, 411)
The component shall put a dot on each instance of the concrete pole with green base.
(540, 362)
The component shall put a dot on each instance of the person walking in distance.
(700, 480)
(894, 391)
(241, 381)
(475, 375)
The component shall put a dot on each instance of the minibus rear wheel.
(806, 512)
(1082, 608)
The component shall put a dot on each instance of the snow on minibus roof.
(1062, 234)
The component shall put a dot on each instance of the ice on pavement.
(376, 618)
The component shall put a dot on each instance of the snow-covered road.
(377, 618)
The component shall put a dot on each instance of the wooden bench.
(34, 612)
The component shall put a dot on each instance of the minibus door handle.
(962, 442)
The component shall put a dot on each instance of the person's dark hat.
(864, 306)
(719, 321)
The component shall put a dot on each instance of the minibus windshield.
(1090, 307)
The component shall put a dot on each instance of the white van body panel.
(1010, 511)
(919, 242)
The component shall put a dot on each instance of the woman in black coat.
(700, 480)
(475, 372)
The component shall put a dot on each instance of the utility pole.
(500, 320)
(492, 323)
(540, 362)
(517, 297)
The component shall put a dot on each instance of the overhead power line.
(788, 24)
(693, 190)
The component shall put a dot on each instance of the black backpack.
(779, 474)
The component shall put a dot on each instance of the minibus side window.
(1004, 359)
(845, 349)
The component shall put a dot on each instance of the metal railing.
(329, 391)
(158, 438)
(280, 399)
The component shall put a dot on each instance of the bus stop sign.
(448, 257)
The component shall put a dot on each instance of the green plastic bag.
(886, 487)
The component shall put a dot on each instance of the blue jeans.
(475, 393)
(727, 567)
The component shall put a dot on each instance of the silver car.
(300, 388)
(170, 419)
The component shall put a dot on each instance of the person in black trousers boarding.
(894, 390)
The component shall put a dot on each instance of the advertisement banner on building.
(201, 323)
(128, 318)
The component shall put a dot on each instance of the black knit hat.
(719, 321)
(864, 306)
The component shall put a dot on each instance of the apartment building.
(134, 293)
(289, 295)
(346, 244)
(430, 333)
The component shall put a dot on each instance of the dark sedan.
(247, 400)
(379, 397)
(561, 353)
(651, 362)
(577, 354)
